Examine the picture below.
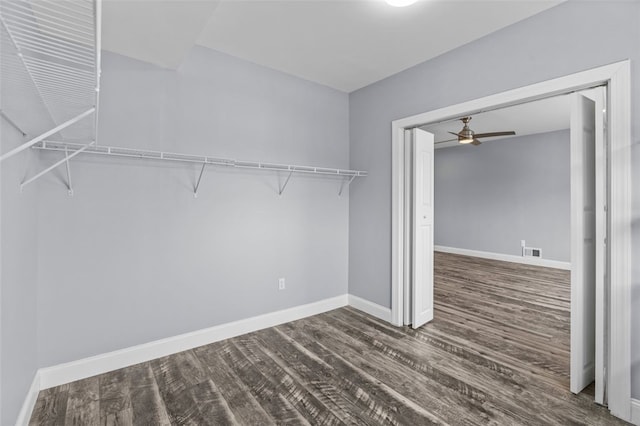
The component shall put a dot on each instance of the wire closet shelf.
(54, 45)
(346, 174)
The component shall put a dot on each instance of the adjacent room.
(502, 232)
(311, 212)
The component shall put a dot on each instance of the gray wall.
(490, 197)
(571, 37)
(19, 240)
(18, 280)
(133, 257)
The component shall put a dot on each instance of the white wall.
(133, 257)
(568, 38)
(489, 197)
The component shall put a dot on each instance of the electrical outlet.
(281, 285)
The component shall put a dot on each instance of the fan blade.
(488, 135)
(476, 142)
(448, 140)
(456, 134)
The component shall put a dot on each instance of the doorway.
(539, 181)
(616, 78)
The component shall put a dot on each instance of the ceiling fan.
(468, 136)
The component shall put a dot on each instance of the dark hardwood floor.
(496, 353)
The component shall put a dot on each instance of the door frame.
(617, 79)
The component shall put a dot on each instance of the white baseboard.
(548, 263)
(29, 401)
(99, 364)
(635, 411)
(370, 308)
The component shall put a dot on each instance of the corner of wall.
(29, 402)
(18, 282)
(635, 411)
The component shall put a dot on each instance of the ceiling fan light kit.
(468, 136)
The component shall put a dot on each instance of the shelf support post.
(195, 190)
(285, 183)
(345, 183)
(56, 164)
(47, 134)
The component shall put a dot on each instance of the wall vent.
(531, 252)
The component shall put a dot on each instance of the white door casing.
(422, 229)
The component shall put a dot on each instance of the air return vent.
(531, 252)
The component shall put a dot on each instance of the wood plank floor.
(497, 353)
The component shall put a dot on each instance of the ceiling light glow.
(400, 3)
(467, 140)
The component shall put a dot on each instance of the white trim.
(547, 263)
(619, 107)
(578, 81)
(635, 411)
(617, 77)
(397, 223)
(99, 364)
(370, 308)
(408, 182)
(76, 370)
(29, 401)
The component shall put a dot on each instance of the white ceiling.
(157, 31)
(546, 115)
(345, 44)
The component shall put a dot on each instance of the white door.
(422, 223)
(601, 270)
(586, 223)
(408, 225)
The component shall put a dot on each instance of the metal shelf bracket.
(345, 182)
(284, 185)
(12, 123)
(69, 185)
(66, 159)
(195, 190)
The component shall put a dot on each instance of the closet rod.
(48, 145)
